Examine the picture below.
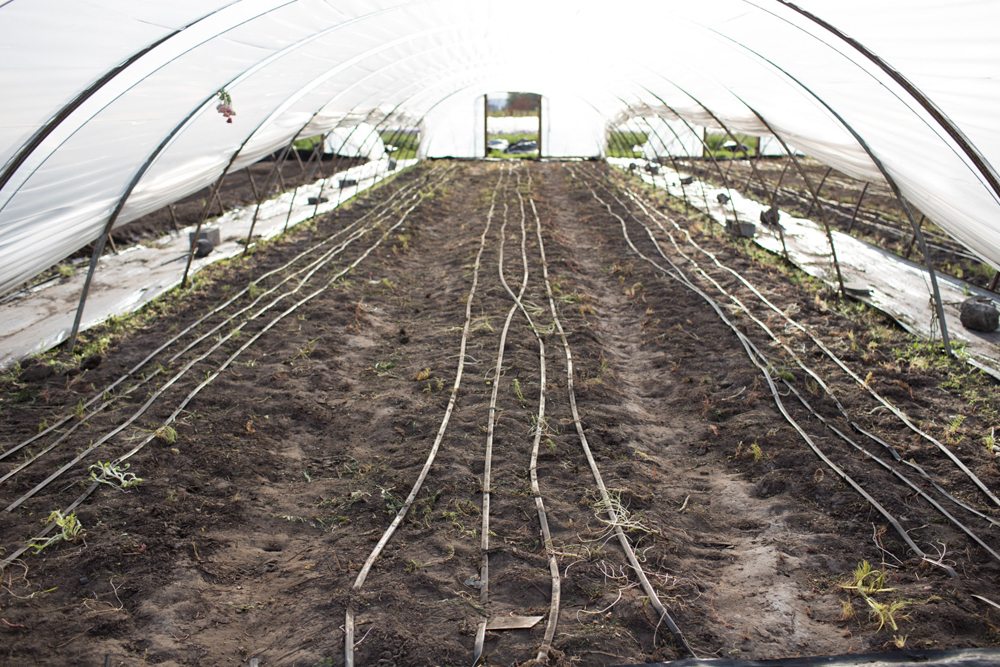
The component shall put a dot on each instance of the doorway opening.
(513, 125)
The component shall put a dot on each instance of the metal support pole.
(539, 127)
(267, 187)
(935, 289)
(95, 256)
(705, 148)
(818, 188)
(316, 153)
(777, 186)
(333, 168)
(673, 160)
(253, 184)
(173, 218)
(218, 197)
(982, 164)
(201, 221)
(268, 183)
(857, 207)
(913, 239)
(753, 172)
(113, 218)
(281, 181)
(298, 158)
(486, 126)
(813, 192)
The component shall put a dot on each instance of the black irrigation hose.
(315, 265)
(155, 395)
(146, 360)
(890, 406)
(432, 454)
(543, 522)
(484, 535)
(756, 357)
(595, 471)
(829, 393)
(820, 383)
(874, 438)
(211, 377)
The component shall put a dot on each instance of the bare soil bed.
(236, 190)
(278, 450)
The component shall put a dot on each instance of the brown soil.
(236, 190)
(249, 529)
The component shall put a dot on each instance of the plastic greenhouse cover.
(110, 94)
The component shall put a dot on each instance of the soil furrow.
(246, 537)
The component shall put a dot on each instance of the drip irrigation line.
(585, 445)
(317, 264)
(155, 395)
(755, 356)
(17, 553)
(163, 346)
(432, 454)
(484, 537)
(900, 476)
(543, 522)
(93, 487)
(819, 381)
(829, 393)
(208, 380)
(843, 366)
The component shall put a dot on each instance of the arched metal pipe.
(819, 187)
(935, 290)
(711, 155)
(809, 187)
(152, 157)
(680, 142)
(113, 218)
(857, 207)
(670, 156)
(983, 165)
(268, 183)
(67, 110)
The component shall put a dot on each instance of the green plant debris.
(70, 530)
(518, 391)
(167, 434)
(114, 474)
(384, 368)
(870, 584)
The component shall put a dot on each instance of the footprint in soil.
(769, 485)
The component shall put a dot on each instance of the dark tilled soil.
(236, 190)
(251, 525)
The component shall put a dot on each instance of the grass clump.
(870, 584)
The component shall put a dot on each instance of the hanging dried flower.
(225, 106)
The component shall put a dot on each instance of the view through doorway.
(513, 124)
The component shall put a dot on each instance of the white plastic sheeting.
(666, 136)
(95, 92)
(361, 140)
